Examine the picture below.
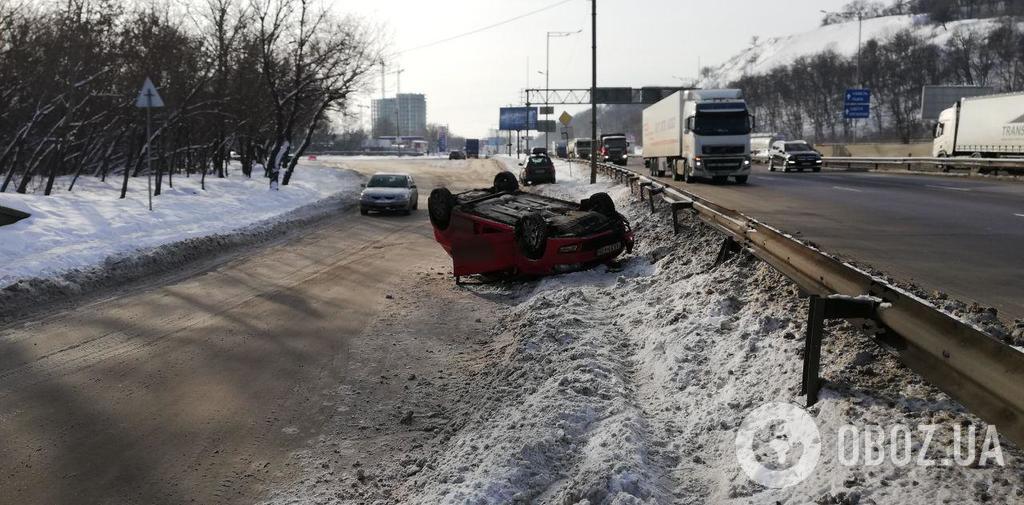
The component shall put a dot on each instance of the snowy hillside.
(842, 38)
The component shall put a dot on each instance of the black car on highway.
(795, 155)
(538, 169)
(456, 155)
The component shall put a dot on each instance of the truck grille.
(723, 164)
(723, 149)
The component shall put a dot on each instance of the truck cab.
(614, 149)
(716, 137)
(945, 134)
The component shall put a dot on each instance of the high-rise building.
(404, 116)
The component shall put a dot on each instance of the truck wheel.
(532, 235)
(440, 206)
(505, 182)
(742, 179)
(603, 204)
(687, 176)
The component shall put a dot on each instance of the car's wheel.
(742, 179)
(440, 205)
(532, 235)
(602, 204)
(505, 182)
(363, 211)
(816, 169)
(771, 165)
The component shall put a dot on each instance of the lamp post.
(547, 74)
(593, 92)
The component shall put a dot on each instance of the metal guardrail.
(979, 371)
(975, 165)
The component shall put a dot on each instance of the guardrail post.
(820, 309)
(676, 207)
(643, 185)
(650, 193)
(729, 248)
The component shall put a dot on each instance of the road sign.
(546, 126)
(565, 118)
(148, 96)
(858, 95)
(857, 104)
(517, 118)
(442, 139)
(547, 110)
(857, 111)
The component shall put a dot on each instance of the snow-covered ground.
(842, 38)
(84, 228)
(630, 387)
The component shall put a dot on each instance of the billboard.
(935, 99)
(517, 118)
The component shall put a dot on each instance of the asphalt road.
(957, 235)
(197, 390)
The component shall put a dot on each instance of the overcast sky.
(640, 43)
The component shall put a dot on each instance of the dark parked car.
(796, 155)
(457, 155)
(537, 169)
(502, 230)
(388, 193)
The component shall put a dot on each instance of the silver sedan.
(389, 192)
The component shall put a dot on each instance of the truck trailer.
(699, 133)
(989, 126)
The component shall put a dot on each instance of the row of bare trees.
(805, 98)
(257, 77)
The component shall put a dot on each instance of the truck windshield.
(615, 143)
(722, 123)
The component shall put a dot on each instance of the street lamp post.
(593, 92)
(547, 75)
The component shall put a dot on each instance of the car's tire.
(363, 211)
(505, 182)
(440, 206)
(742, 179)
(602, 204)
(816, 169)
(771, 165)
(531, 233)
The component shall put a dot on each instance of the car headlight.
(817, 161)
(791, 162)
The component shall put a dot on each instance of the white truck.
(988, 126)
(699, 133)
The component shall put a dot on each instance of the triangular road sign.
(148, 96)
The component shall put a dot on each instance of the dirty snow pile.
(629, 386)
(85, 227)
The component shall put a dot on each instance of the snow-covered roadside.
(630, 387)
(78, 242)
(82, 228)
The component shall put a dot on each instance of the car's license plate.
(608, 249)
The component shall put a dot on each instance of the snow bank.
(841, 38)
(83, 228)
(629, 387)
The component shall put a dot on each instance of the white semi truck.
(699, 133)
(982, 126)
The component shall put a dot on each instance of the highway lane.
(960, 236)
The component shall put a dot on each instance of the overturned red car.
(501, 230)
